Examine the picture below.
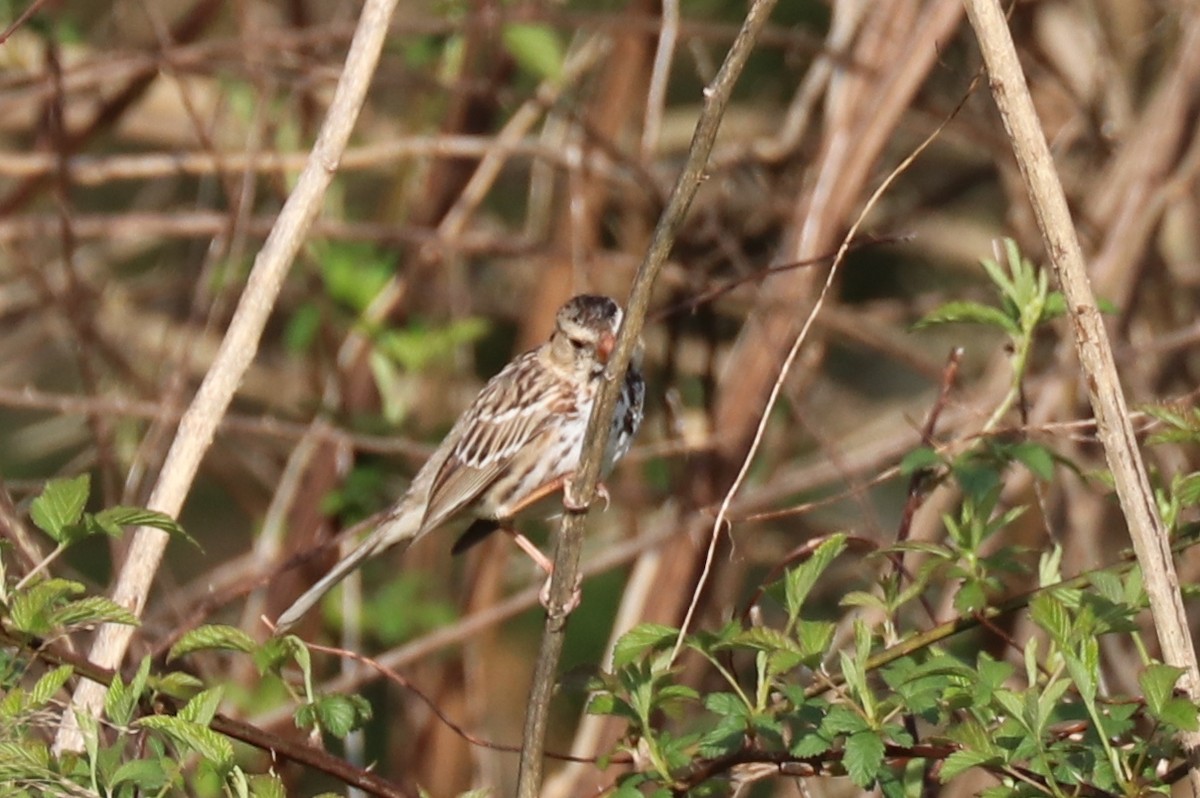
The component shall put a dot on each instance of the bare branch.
(198, 425)
(582, 489)
(1113, 426)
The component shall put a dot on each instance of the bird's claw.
(576, 507)
(572, 602)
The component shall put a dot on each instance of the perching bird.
(515, 446)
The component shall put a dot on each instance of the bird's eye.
(575, 342)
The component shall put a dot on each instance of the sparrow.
(513, 449)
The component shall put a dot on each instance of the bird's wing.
(506, 416)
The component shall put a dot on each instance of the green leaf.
(121, 700)
(354, 273)
(114, 519)
(536, 48)
(92, 610)
(1180, 713)
(800, 580)
(211, 637)
(338, 714)
(1036, 458)
(1049, 613)
(842, 720)
(266, 785)
(211, 746)
(418, 346)
(177, 684)
(726, 704)
(641, 640)
(864, 757)
(146, 774)
(1158, 685)
(919, 459)
(1056, 306)
(30, 609)
(971, 313)
(49, 684)
(1187, 488)
(14, 703)
(814, 637)
(203, 706)
(962, 761)
(60, 505)
(302, 328)
(726, 737)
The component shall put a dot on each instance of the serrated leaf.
(146, 774)
(811, 744)
(842, 720)
(121, 700)
(962, 761)
(13, 703)
(113, 520)
(60, 505)
(764, 638)
(177, 684)
(49, 684)
(970, 313)
(211, 637)
(726, 705)
(726, 737)
(30, 609)
(1158, 685)
(341, 714)
(799, 581)
(264, 785)
(641, 639)
(1049, 613)
(213, 747)
(863, 757)
(1187, 488)
(1180, 713)
(814, 637)
(92, 610)
(203, 706)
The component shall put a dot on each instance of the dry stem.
(1114, 429)
(237, 351)
(582, 489)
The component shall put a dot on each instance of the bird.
(513, 449)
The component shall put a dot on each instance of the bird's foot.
(601, 493)
(572, 602)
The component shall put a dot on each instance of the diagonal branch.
(238, 348)
(1113, 427)
(582, 489)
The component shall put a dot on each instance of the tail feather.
(400, 529)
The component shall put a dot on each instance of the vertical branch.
(582, 489)
(1113, 427)
(237, 350)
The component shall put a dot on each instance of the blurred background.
(512, 154)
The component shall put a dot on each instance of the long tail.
(401, 528)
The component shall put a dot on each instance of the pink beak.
(605, 346)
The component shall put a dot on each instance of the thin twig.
(848, 239)
(238, 348)
(1150, 541)
(395, 676)
(24, 17)
(582, 488)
